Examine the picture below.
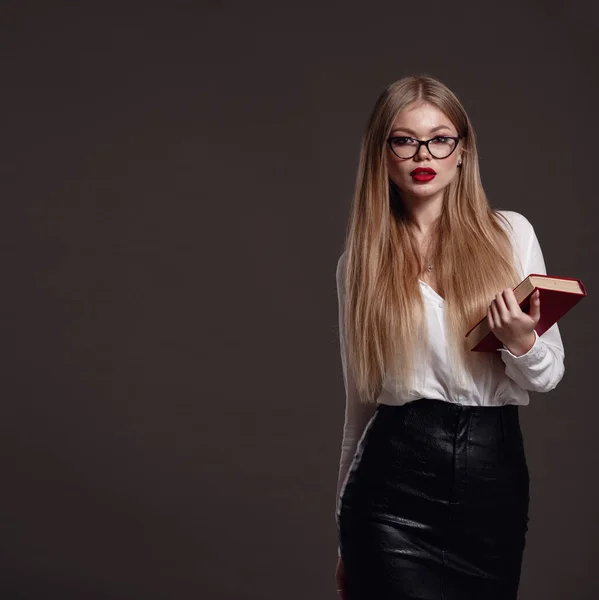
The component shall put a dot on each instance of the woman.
(433, 488)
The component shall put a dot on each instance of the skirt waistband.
(430, 417)
(434, 404)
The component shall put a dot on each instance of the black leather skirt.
(435, 504)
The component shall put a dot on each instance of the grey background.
(176, 185)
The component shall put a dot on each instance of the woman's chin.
(423, 192)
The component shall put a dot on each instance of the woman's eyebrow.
(414, 133)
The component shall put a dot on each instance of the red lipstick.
(423, 174)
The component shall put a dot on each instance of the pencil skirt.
(435, 504)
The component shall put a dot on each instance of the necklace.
(429, 268)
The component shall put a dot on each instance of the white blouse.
(540, 369)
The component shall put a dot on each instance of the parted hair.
(384, 324)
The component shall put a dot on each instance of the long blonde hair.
(384, 311)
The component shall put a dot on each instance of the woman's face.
(422, 122)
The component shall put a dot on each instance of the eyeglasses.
(440, 146)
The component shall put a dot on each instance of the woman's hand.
(340, 578)
(513, 327)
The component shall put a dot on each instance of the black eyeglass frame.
(426, 143)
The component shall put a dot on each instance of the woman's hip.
(433, 452)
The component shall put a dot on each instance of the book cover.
(557, 295)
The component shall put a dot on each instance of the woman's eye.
(403, 141)
(440, 139)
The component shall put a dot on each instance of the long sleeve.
(542, 367)
(357, 414)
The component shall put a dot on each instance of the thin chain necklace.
(429, 268)
(430, 264)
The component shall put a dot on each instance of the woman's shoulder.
(340, 270)
(519, 224)
(341, 262)
(520, 232)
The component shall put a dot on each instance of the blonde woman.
(433, 488)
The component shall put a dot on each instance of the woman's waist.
(434, 419)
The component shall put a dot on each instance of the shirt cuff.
(529, 357)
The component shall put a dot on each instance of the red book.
(557, 295)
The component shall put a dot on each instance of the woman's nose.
(423, 152)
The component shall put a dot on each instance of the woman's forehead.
(422, 118)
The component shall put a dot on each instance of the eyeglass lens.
(439, 147)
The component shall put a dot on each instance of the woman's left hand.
(511, 325)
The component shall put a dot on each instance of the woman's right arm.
(357, 414)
